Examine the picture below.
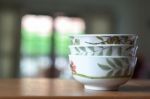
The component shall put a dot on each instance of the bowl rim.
(102, 56)
(85, 35)
(99, 45)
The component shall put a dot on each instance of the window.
(37, 45)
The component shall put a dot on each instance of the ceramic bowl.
(104, 50)
(102, 72)
(96, 39)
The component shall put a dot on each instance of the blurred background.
(34, 33)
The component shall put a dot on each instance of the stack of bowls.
(103, 61)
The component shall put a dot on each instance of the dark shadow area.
(134, 89)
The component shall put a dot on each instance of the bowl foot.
(100, 88)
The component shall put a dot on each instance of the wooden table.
(57, 88)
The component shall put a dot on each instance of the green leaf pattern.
(77, 49)
(76, 41)
(109, 52)
(101, 50)
(100, 38)
(118, 62)
(83, 49)
(92, 49)
(116, 67)
(112, 64)
(119, 51)
(104, 67)
(111, 40)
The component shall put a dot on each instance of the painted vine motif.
(116, 67)
(93, 51)
(113, 40)
(113, 69)
(76, 41)
(97, 77)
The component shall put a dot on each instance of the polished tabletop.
(42, 88)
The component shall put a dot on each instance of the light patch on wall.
(42, 25)
(64, 24)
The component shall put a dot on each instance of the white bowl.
(95, 39)
(102, 72)
(104, 50)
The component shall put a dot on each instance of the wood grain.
(57, 88)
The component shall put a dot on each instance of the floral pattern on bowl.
(73, 67)
(104, 50)
(103, 39)
(97, 67)
(101, 72)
